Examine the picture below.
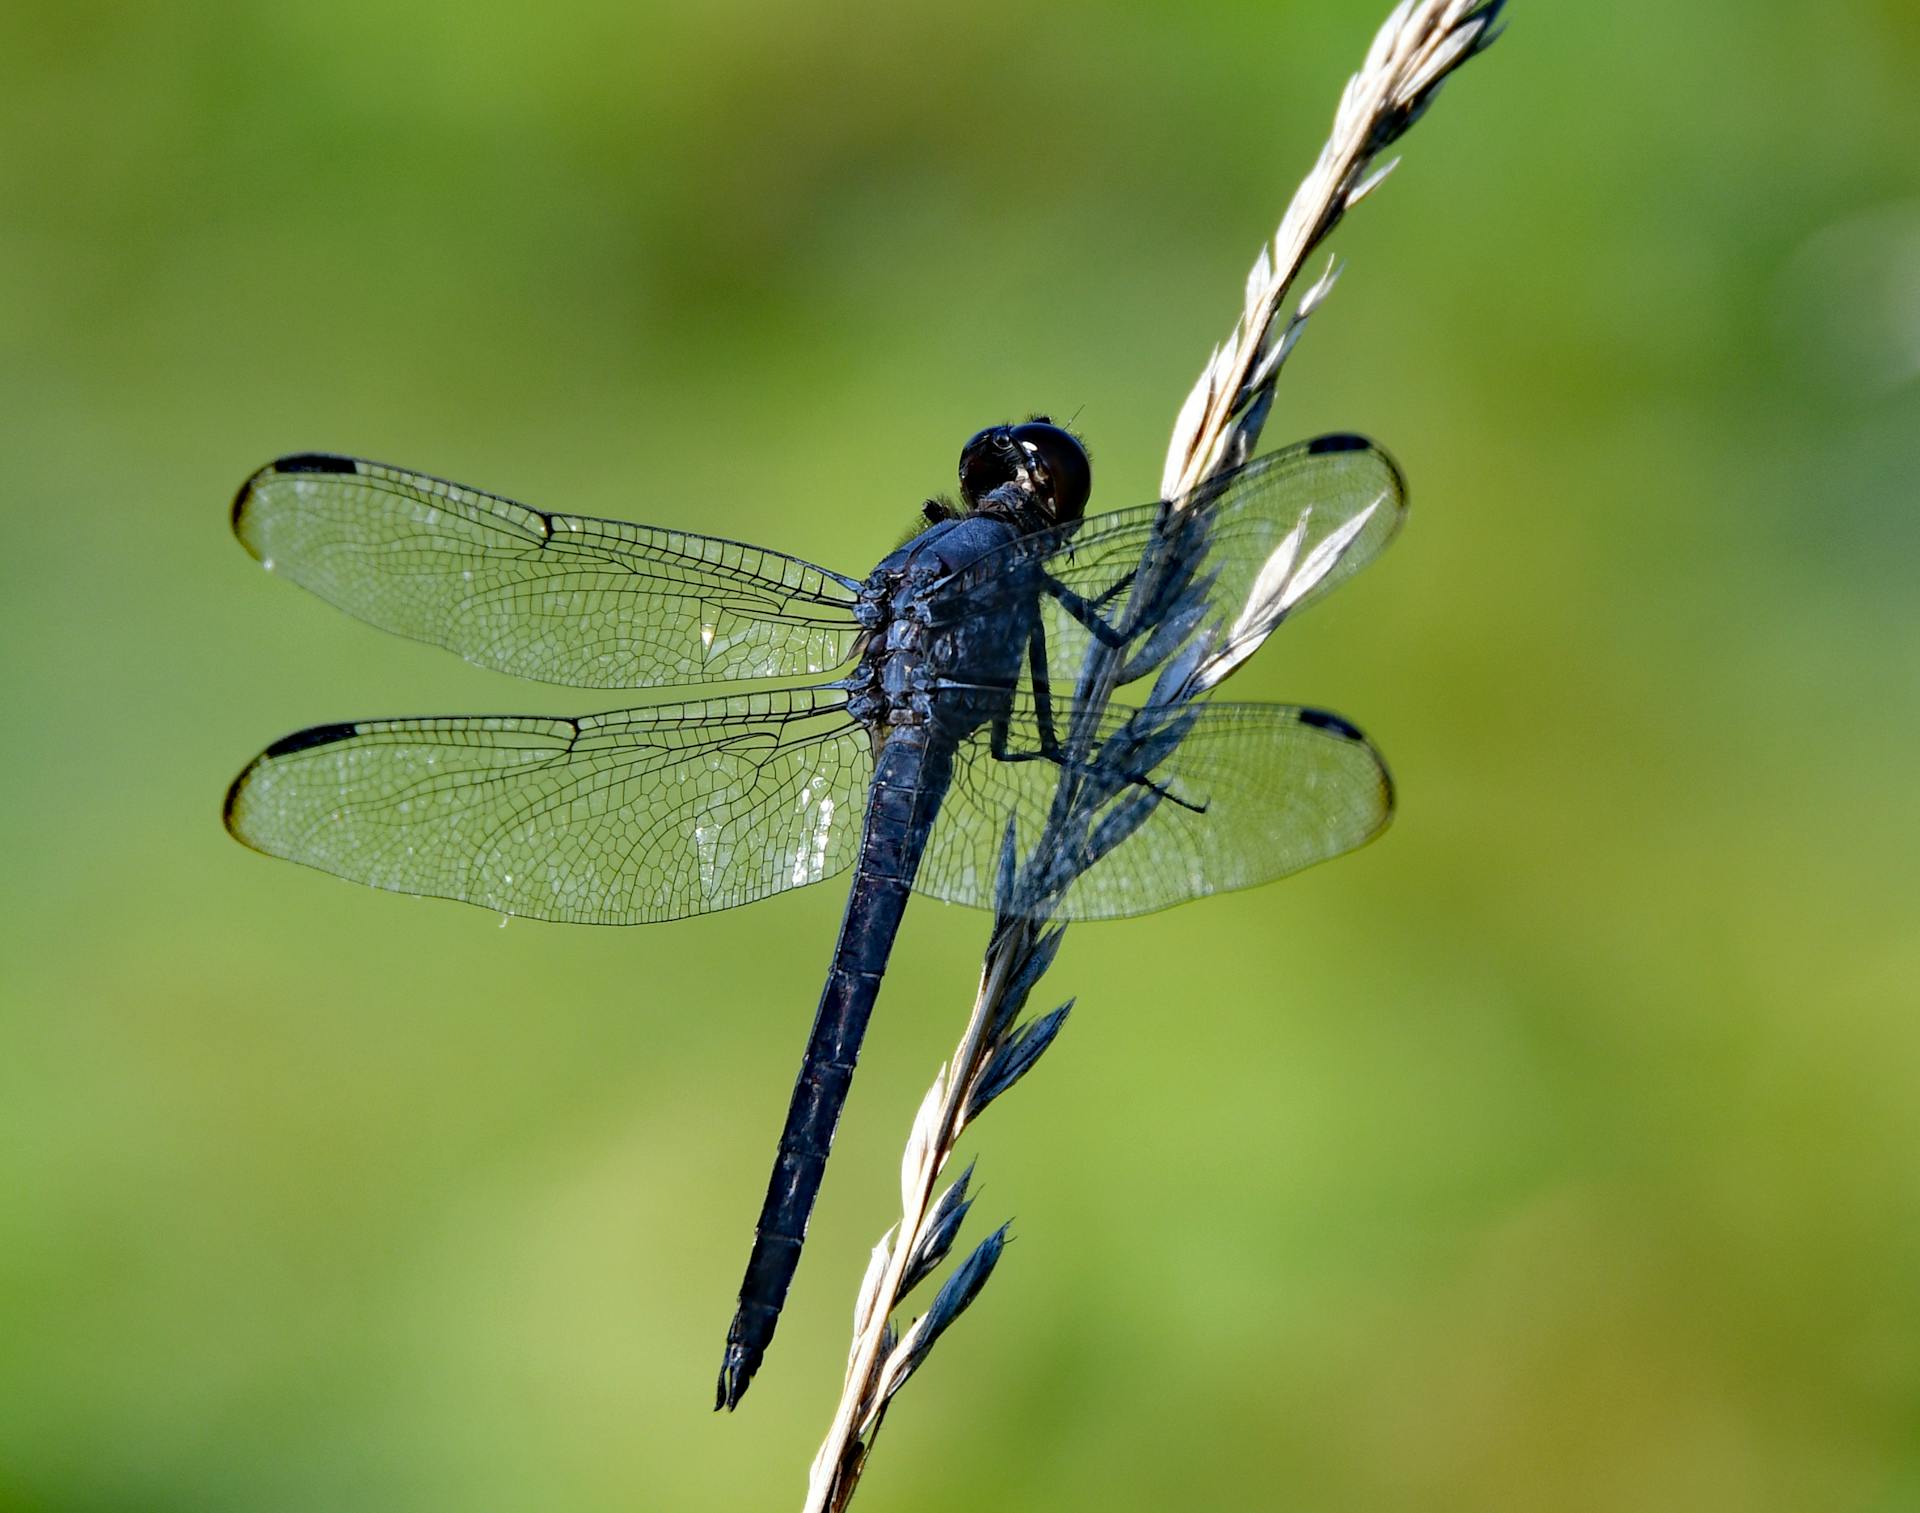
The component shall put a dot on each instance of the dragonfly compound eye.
(1065, 475)
(988, 460)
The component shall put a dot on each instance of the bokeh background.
(1560, 1151)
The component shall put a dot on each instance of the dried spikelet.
(1217, 429)
(1411, 57)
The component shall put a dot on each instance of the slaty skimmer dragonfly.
(922, 710)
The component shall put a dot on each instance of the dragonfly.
(915, 713)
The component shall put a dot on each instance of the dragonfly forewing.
(562, 598)
(1264, 542)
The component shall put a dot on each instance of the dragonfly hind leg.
(1052, 751)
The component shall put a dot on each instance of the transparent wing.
(622, 818)
(562, 598)
(1253, 792)
(1269, 539)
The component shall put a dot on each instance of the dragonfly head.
(1035, 474)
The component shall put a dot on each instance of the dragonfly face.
(964, 650)
(921, 664)
(1036, 474)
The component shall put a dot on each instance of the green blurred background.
(1562, 1151)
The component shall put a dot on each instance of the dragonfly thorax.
(917, 665)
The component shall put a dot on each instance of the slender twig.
(943, 1115)
(1416, 49)
(1098, 802)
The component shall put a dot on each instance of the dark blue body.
(927, 680)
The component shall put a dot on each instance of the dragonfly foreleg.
(1087, 611)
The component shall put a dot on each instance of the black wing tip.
(1389, 791)
(1327, 720)
(232, 801)
(1340, 441)
(1345, 730)
(312, 462)
(306, 740)
(1352, 441)
(242, 495)
(293, 462)
(287, 745)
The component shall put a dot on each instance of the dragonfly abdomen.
(910, 778)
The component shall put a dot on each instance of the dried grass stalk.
(1416, 49)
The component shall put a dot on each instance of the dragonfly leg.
(1087, 611)
(1000, 734)
(1051, 751)
(1042, 682)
